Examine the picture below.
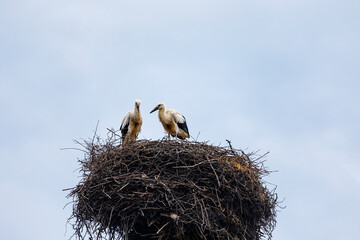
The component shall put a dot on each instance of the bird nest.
(170, 190)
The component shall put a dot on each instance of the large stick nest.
(170, 190)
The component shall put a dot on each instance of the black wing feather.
(124, 130)
(183, 126)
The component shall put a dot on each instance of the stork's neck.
(162, 113)
(137, 110)
(137, 113)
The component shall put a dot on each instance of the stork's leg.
(169, 137)
(125, 139)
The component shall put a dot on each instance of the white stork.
(173, 122)
(131, 124)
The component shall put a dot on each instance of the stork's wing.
(180, 121)
(125, 124)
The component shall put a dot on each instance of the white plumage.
(131, 124)
(173, 122)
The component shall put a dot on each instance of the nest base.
(171, 190)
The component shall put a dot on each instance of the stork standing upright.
(173, 122)
(131, 124)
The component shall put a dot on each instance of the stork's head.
(137, 104)
(158, 107)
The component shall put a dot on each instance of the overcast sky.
(278, 76)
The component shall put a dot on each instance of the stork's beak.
(156, 108)
(138, 107)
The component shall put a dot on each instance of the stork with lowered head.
(131, 124)
(173, 122)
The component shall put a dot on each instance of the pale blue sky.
(279, 76)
